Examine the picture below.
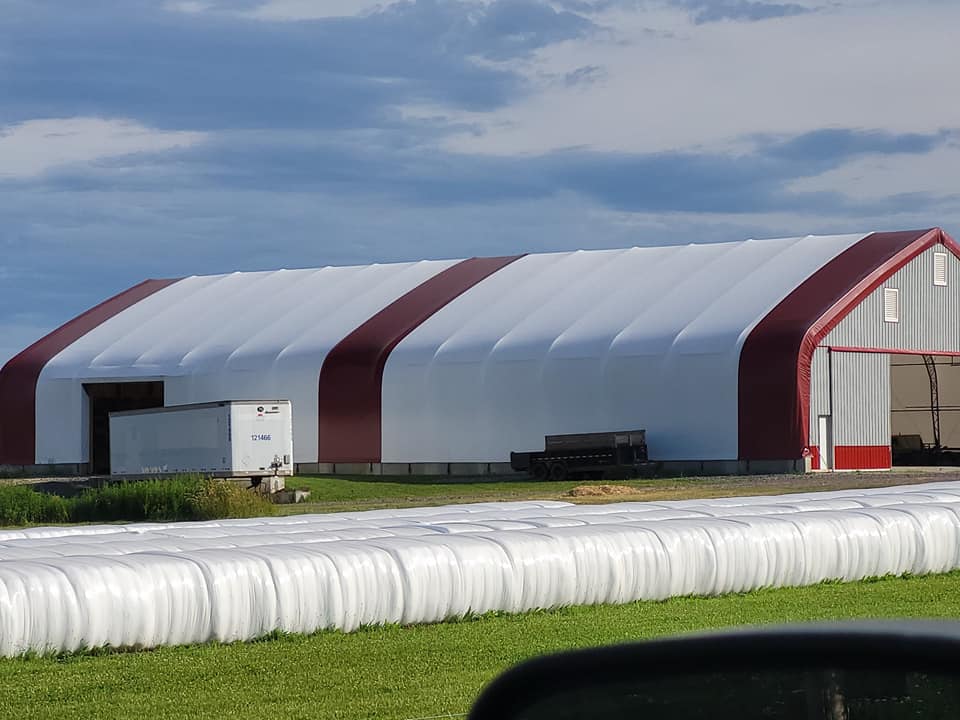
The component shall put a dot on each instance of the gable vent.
(891, 305)
(940, 268)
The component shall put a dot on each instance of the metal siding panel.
(819, 390)
(861, 399)
(929, 314)
(929, 320)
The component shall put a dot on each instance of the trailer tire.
(540, 471)
(558, 471)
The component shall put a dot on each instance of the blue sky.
(168, 138)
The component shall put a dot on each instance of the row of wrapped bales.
(149, 584)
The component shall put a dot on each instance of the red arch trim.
(774, 372)
(18, 378)
(351, 379)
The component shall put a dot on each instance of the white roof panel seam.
(749, 278)
(230, 309)
(540, 308)
(852, 239)
(77, 369)
(656, 308)
(258, 316)
(290, 316)
(167, 311)
(215, 311)
(300, 309)
(504, 299)
(392, 279)
(579, 319)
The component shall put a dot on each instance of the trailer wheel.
(558, 471)
(540, 471)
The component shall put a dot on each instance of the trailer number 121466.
(255, 438)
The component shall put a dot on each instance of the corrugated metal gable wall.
(820, 399)
(854, 388)
(861, 398)
(819, 389)
(929, 314)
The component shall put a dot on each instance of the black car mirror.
(881, 671)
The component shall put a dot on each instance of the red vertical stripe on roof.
(351, 379)
(774, 373)
(18, 378)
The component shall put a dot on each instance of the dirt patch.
(600, 491)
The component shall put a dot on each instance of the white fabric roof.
(223, 337)
(591, 341)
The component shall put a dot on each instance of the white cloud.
(281, 10)
(191, 7)
(670, 84)
(31, 148)
(292, 10)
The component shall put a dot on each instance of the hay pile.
(600, 490)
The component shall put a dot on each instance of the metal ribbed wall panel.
(861, 399)
(929, 314)
(819, 390)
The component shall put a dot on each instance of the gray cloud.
(211, 70)
(701, 11)
(705, 11)
(375, 163)
(585, 75)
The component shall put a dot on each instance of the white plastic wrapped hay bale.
(65, 589)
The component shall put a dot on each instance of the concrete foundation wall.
(393, 469)
(51, 470)
(732, 467)
(677, 467)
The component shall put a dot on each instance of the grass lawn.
(341, 494)
(399, 673)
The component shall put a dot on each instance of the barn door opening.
(925, 409)
(105, 398)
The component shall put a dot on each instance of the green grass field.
(401, 673)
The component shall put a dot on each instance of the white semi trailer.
(249, 438)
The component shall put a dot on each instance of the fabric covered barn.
(755, 355)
